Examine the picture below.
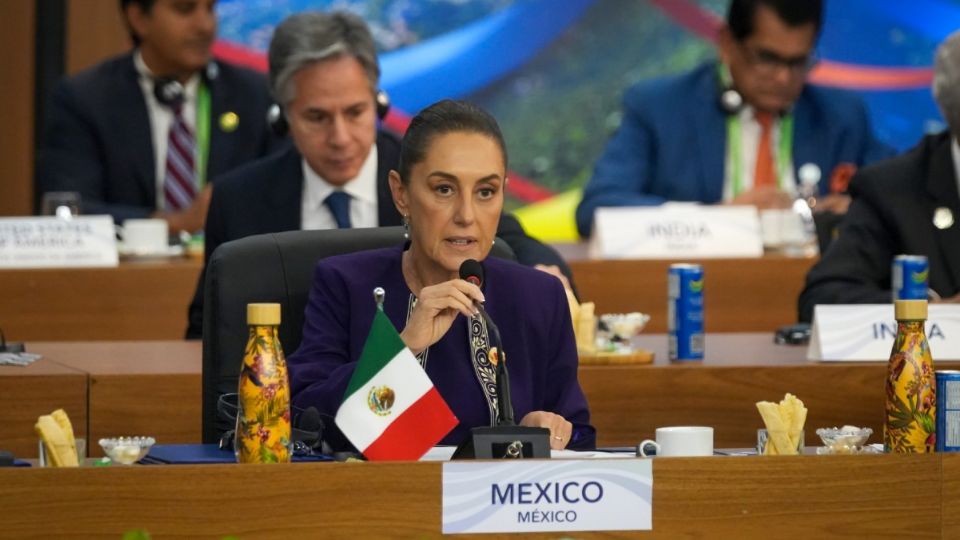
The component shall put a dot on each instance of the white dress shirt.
(955, 154)
(363, 197)
(749, 141)
(161, 119)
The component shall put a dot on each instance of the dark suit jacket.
(265, 197)
(98, 139)
(671, 144)
(892, 213)
(530, 308)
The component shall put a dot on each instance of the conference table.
(137, 300)
(30, 391)
(148, 299)
(137, 388)
(866, 496)
(154, 388)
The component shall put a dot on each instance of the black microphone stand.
(504, 439)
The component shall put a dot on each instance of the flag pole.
(378, 295)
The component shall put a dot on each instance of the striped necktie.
(179, 184)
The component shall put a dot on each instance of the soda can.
(948, 411)
(909, 277)
(685, 311)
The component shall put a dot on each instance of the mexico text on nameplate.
(676, 230)
(538, 496)
(51, 242)
(866, 332)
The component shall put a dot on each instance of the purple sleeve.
(564, 395)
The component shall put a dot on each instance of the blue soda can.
(948, 411)
(685, 311)
(909, 277)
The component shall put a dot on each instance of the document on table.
(444, 453)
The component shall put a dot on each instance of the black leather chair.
(269, 268)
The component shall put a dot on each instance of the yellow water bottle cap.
(910, 310)
(263, 314)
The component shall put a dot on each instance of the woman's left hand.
(560, 429)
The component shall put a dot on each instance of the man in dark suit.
(324, 71)
(905, 205)
(745, 129)
(109, 130)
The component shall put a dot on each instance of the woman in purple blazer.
(449, 190)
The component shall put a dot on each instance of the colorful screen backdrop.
(553, 71)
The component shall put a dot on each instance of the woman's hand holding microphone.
(437, 307)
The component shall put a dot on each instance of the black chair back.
(275, 268)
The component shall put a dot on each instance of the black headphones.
(729, 99)
(278, 121)
(170, 92)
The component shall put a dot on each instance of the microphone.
(472, 272)
(504, 439)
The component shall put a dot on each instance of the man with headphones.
(742, 130)
(324, 73)
(141, 135)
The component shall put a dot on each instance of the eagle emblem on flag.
(380, 399)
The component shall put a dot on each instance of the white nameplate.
(867, 332)
(547, 496)
(676, 230)
(50, 242)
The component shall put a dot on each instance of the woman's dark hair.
(447, 116)
(742, 14)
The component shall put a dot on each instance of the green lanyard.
(735, 150)
(203, 133)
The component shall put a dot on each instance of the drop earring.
(406, 227)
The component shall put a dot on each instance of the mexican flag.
(391, 411)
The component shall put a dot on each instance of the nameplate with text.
(51, 242)
(866, 332)
(547, 496)
(676, 230)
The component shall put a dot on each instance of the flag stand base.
(505, 442)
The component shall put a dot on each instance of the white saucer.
(127, 253)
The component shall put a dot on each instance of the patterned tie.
(179, 184)
(765, 175)
(339, 204)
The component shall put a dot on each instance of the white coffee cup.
(144, 236)
(780, 228)
(680, 441)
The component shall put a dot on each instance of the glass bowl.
(844, 440)
(616, 330)
(126, 450)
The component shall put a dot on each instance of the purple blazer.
(529, 307)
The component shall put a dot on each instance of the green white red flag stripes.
(391, 410)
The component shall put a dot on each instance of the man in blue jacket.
(745, 129)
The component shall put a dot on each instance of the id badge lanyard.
(203, 133)
(735, 150)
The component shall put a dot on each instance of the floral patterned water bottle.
(911, 384)
(263, 418)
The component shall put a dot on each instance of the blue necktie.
(339, 204)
